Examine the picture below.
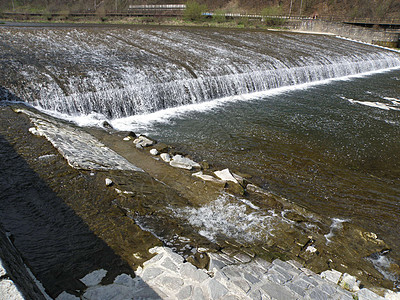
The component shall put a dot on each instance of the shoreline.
(179, 180)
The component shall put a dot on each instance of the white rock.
(178, 161)
(153, 151)
(108, 182)
(392, 295)
(332, 276)
(226, 175)
(165, 157)
(80, 149)
(2, 269)
(127, 138)
(366, 294)
(350, 283)
(9, 291)
(207, 177)
(311, 249)
(94, 278)
(34, 131)
(256, 189)
(143, 141)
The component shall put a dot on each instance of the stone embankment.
(363, 34)
(168, 276)
(15, 281)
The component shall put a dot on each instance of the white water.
(119, 73)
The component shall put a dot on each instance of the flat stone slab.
(80, 149)
(168, 276)
(179, 161)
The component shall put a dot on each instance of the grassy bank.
(219, 21)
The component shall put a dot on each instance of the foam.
(337, 224)
(380, 105)
(231, 217)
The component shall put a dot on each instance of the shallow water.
(315, 146)
(331, 147)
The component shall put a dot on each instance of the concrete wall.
(368, 35)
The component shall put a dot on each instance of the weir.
(120, 72)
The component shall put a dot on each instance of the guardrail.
(178, 9)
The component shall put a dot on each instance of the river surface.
(287, 109)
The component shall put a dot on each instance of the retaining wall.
(368, 35)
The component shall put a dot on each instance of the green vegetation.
(194, 11)
(271, 15)
(219, 16)
(382, 9)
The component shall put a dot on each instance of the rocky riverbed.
(125, 198)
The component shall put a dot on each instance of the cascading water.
(121, 72)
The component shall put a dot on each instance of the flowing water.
(288, 109)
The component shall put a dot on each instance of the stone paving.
(168, 276)
(8, 289)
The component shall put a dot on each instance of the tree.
(194, 11)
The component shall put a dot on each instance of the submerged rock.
(178, 161)
(207, 177)
(108, 182)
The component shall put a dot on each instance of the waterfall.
(127, 71)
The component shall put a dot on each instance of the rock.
(178, 161)
(235, 189)
(366, 294)
(204, 165)
(9, 290)
(65, 296)
(226, 175)
(172, 283)
(107, 125)
(94, 278)
(165, 157)
(332, 276)
(34, 131)
(350, 283)
(294, 216)
(129, 136)
(185, 292)
(200, 260)
(154, 152)
(207, 177)
(109, 182)
(125, 280)
(256, 189)
(216, 290)
(143, 141)
(112, 291)
(138, 146)
(2, 269)
(161, 147)
(190, 271)
(243, 258)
